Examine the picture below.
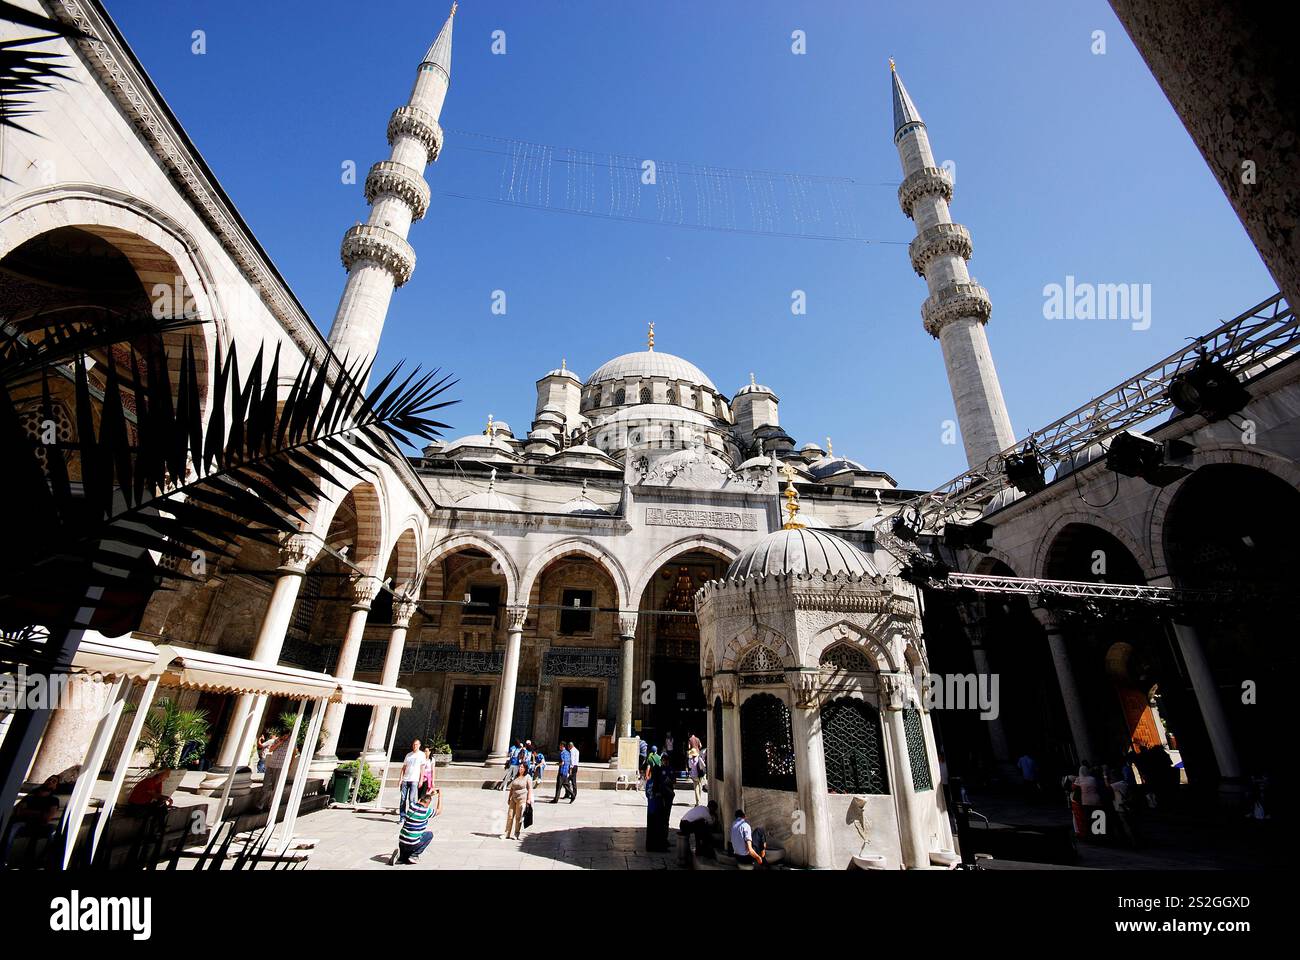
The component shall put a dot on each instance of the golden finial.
(454, 5)
(491, 427)
(651, 338)
(791, 500)
(891, 65)
(830, 449)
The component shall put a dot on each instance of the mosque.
(623, 564)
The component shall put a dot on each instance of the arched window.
(646, 395)
(715, 748)
(916, 755)
(620, 396)
(672, 394)
(847, 658)
(853, 747)
(766, 743)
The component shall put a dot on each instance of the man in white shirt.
(412, 768)
(573, 771)
(698, 822)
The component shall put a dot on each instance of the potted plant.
(441, 748)
(174, 737)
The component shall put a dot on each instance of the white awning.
(372, 694)
(127, 655)
(201, 670)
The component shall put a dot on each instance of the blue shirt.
(514, 756)
(741, 834)
(564, 762)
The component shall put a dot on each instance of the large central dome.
(649, 363)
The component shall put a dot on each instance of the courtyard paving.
(601, 830)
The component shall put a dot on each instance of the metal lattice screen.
(766, 743)
(853, 747)
(715, 748)
(916, 756)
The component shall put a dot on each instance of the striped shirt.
(417, 819)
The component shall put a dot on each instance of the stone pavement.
(601, 830)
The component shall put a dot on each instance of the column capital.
(515, 617)
(404, 607)
(364, 589)
(1047, 619)
(807, 687)
(627, 624)
(706, 684)
(725, 686)
(298, 550)
(892, 686)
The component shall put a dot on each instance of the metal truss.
(1247, 345)
(1032, 586)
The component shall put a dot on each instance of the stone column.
(404, 608)
(1069, 686)
(997, 733)
(627, 635)
(810, 767)
(509, 681)
(911, 836)
(70, 728)
(364, 588)
(726, 687)
(296, 554)
(1207, 695)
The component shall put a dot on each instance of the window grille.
(916, 756)
(715, 748)
(853, 747)
(766, 743)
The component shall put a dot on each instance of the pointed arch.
(473, 541)
(701, 542)
(578, 546)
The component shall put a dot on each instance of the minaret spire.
(957, 308)
(375, 253)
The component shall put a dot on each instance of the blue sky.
(1066, 162)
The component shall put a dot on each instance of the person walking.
(1029, 776)
(573, 771)
(642, 751)
(562, 774)
(415, 835)
(518, 796)
(695, 768)
(426, 774)
(412, 769)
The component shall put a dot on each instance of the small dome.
(650, 364)
(755, 463)
(479, 441)
(563, 372)
(800, 551)
(830, 466)
(754, 388)
(581, 506)
(487, 499)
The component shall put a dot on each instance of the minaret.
(375, 253)
(958, 307)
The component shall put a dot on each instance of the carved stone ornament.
(404, 608)
(515, 617)
(627, 624)
(364, 590)
(891, 691)
(724, 686)
(807, 687)
(298, 550)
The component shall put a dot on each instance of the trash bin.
(342, 786)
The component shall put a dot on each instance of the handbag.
(528, 816)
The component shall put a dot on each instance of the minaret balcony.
(941, 239)
(954, 302)
(400, 181)
(384, 247)
(419, 124)
(926, 182)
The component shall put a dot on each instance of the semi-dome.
(486, 500)
(650, 363)
(800, 550)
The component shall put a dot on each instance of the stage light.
(1137, 455)
(973, 535)
(1025, 471)
(907, 524)
(1210, 389)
